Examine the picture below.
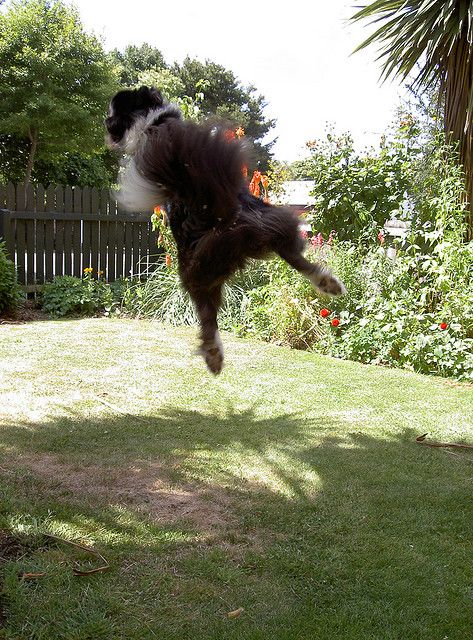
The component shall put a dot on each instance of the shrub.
(398, 313)
(355, 193)
(9, 289)
(68, 295)
(160, 296)
(415, 311)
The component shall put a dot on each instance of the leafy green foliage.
(355, 193)
(55, 80)
(9, 289)
(202, 88)
(14, 152)
(434, 41)
(136, 60)
(415, 311)
(68, 296)
(406, 315)
(228, 99)
(97, 169)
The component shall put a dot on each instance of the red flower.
(443, 326)
(381, 237)
(304, 234)
(230, 135)
(335, 322)
(324, 313)
(245, 171)
(317, 241)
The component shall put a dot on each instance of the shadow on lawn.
(310, 528)
(286, 461)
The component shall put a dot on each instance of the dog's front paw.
(212, 352)
(327, 283)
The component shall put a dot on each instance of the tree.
(202, 89)
(228, 99)
(135, 60)
(434, 39)
(55, 81)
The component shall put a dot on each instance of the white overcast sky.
(296, 53)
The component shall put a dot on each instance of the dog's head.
(126, 107)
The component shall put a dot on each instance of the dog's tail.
(195, 165)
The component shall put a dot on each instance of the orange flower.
(168, 260)
(245, 171)
(240, 132)
(254, 189)
(264, 181)
(256, 177)
(157, 211)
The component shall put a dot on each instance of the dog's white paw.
(328, 283)
(212, 352)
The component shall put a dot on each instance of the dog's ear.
(150, 98)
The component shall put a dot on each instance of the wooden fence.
(63, 230)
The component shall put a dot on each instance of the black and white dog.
(196, 172)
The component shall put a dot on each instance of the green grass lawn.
(290, 486)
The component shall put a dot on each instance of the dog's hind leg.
(321, 277)
(207, 304)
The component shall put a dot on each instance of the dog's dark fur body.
(196, 173)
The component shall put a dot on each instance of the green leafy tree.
(135, 60)
(434, 40)
(55, 81)
(13, 157)
(97, 169)
(169, 83)
(228, 99)
(202, 89)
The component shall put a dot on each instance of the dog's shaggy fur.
(195, 172)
